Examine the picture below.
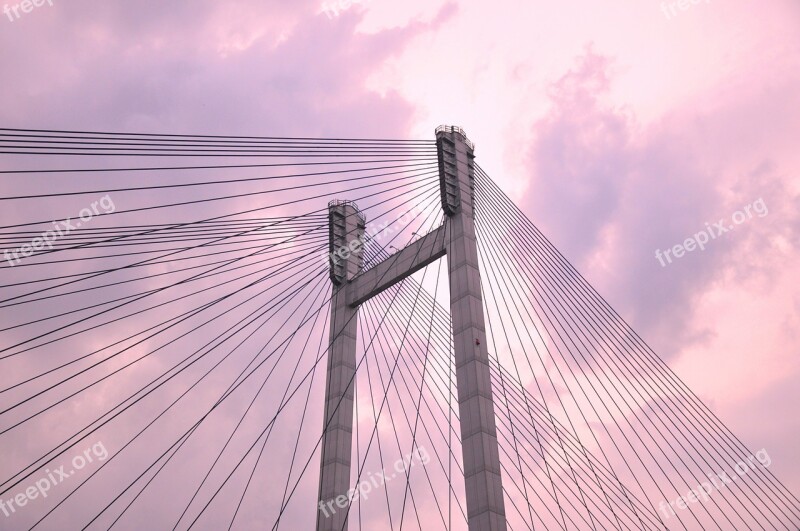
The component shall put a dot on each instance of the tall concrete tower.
(351, 287)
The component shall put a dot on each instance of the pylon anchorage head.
(346, 225)
(456, 154)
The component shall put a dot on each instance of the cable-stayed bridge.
(219, 332)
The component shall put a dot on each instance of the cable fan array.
(164, 328)
(186, 330)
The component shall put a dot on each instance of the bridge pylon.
(456, 240)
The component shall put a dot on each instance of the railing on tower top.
(340, 202)
(458, 130)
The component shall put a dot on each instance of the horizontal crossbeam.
(395, 268)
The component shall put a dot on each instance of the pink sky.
(617, 129)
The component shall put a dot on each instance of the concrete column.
(485, 506)
(346, 238)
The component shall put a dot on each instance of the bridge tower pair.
(456, 240)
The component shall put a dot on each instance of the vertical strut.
(346, 225)
(484, 490)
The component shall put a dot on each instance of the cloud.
(610, 190)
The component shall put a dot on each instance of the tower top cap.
(346, 203)
(457, 130)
